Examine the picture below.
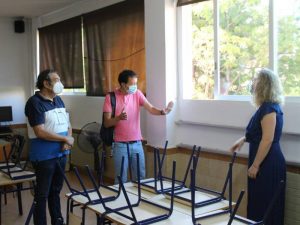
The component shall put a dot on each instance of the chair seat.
(12, 169)
(81, 199)
(4, 165)
(16, 173)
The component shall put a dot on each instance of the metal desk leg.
(30, 214)
(5, 195)
(19, 188)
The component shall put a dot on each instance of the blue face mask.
(132, 89)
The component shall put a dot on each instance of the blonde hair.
(268, 88)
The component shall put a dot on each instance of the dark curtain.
(187, 2)
(115, 41)
(61, 49)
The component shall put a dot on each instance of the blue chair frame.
(158, 177)
(130, 206)
(219, 195)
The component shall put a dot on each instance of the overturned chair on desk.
(81, 197)
(227, 216)
(16, 150)
(137, 213)
(14, 173)
(117, 201)
(14, 156)
(14, 170)
(160, 183)
(84, 197)
(206, 196)
(182, 192)
(230, 211)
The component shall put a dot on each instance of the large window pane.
(244, 44)
(203, 50)
(198, 51)
(289, 45)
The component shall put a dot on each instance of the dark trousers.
(49, 182)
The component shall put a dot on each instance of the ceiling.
(31, 8)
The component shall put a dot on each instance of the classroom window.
(243, 32)
(199, 57)
(230, 43)
(289, 46)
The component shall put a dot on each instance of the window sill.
(74, 93)
(223, 126)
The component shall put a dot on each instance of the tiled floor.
(10, 213)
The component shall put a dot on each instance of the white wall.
(15, 68)
(161, 68)
(217, 124)
(73, 10)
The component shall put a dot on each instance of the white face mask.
(58, 88)
(250, 87)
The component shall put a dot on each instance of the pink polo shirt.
(127, 130)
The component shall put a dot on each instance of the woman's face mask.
(251, 85)
(132, 89)
(58, 88)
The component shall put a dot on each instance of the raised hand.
(168, 109)
(123, 115)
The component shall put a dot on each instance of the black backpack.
(107, 134)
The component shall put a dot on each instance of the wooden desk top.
(145, 211)
(142, 212)
(5, 180)
(181, 212)
(132, 188)
(178, 205)
(222, 220)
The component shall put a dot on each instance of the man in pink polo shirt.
(127, 129)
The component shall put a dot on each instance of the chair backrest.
(16, 149)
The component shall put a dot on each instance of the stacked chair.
(15, 170)
(104, 200)
(228, 216)
(211, 196)
(117, 203)
(161, 184)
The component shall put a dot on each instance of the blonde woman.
(266, 162)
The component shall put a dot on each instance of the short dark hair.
(124, 75)
(44, 75)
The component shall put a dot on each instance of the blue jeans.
(49, 182)
(120, 150)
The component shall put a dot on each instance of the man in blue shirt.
(51, 138)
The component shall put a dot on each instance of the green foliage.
(289, 53)
(243, 47)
